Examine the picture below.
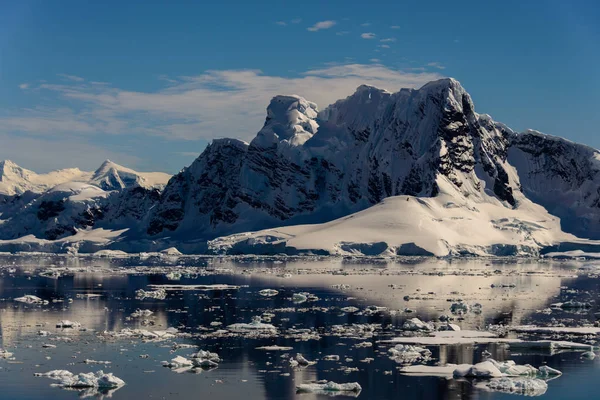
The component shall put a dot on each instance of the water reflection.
(511, 293)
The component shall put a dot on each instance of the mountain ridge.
(326, 167)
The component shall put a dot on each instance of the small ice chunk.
(407, 354)
(30, 299)
(415, 324)
(303, 361)
(68, 324)
(268, 292)
(523, 386)
(158, 294)
(275, 348)
(324, 388)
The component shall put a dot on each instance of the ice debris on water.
(415, 324)
(141, 313)
(5, 354)
(274, 348)
(268, 292)
(30, 299)
(522, 386)
(255, 325)
(158, 294)
(98, 379)
(407, 354)
(68, 324)
(461, 308)
(301, 361)
(328, 387)
(202, 359)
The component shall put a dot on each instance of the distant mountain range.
(417, 172)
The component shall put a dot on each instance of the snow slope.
(408, 225)
(17, 180)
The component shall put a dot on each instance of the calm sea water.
(249, 373)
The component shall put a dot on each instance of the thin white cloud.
(24, 86)
(321, 25)
(388, 40)
(436, 65)
(366, 24)
(384, 46)
(368, 35)
(342, 33)
(73, 78)
(375, 60)
(395, 27)
(213, 104)
(296, 20)
(281, 23)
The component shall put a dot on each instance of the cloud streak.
(368, 35)
(321, 25)
(218, 103)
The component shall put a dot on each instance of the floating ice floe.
(30, 299)
(275, 348)
(301, 361)
(88, 295)
(173, 276)
(159, 294)
(194, 287)
(268, 292)
(68, 324)
(523, 386)
(328, 387)
(571, 305)
(415, 324)
(407, 354)
(88, 361)
(98, 379)
(255, 325)
(331, 357)
(141, 313)
(5, 354)
(202, 360)
(349, 309)
(481, 337)
(146, 335)
(461, 308)
(484, 370)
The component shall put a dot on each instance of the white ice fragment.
(522, 386)
(303, 362)
(325, 388)
(68, 324)
(407, 354)
(275, 348)
(30, 299)
(268, 292)
(415, 324)
(98, 379)
(159, 294)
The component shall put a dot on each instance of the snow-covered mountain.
(15, 180)
(475, 185)
(309, 167)
(58, 204)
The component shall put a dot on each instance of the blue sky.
(148, 83)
